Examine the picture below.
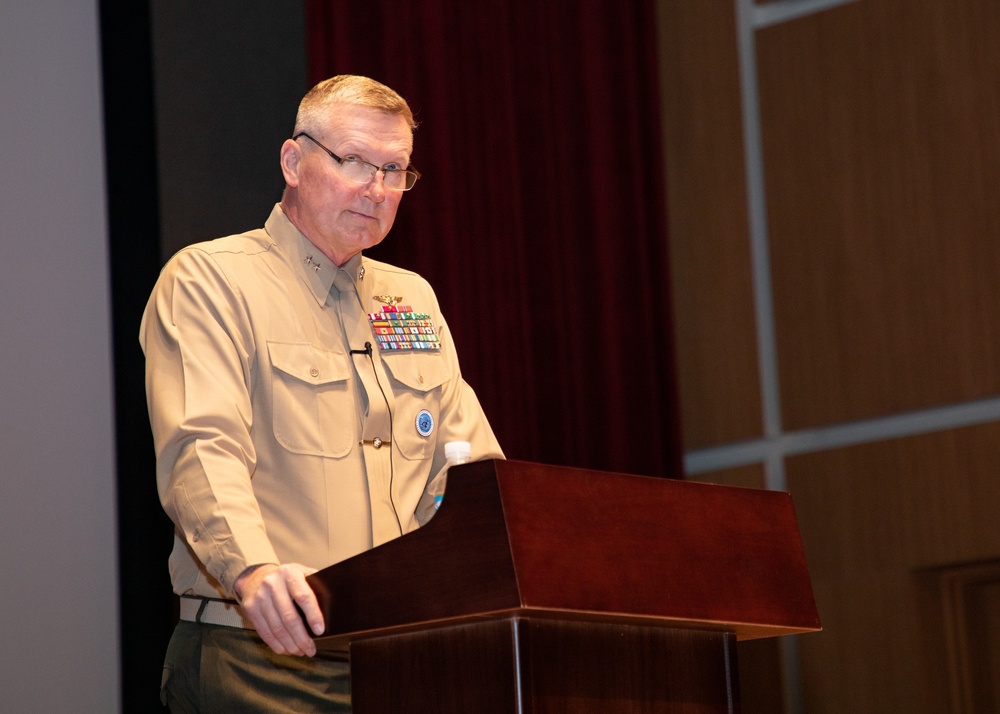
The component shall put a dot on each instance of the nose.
(375, 188)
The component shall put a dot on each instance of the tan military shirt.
(274, 442)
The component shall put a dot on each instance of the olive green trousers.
(212, 668)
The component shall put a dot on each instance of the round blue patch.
(425, 423)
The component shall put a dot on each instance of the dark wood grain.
(573, 544)
(542, 666)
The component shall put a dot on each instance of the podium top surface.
(517, 538)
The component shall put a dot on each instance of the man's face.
(339, 216)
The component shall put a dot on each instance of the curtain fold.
(540, 219)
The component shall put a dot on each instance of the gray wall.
(58, 586)
(228, 78)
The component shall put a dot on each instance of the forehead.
(367, 128)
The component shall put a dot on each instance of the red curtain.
(540, 219)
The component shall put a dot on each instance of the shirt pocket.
(314, 411)
(417, 380)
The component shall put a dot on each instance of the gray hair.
(348, 89)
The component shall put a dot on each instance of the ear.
(291, 159)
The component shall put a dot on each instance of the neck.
(290, 209)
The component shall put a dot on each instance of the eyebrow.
(350, 150)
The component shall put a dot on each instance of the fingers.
(305, 598)
(269, 598)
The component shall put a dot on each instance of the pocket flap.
(422, 371)
(309, 364)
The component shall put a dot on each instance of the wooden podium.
(539, 589)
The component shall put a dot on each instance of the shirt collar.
(315, 269)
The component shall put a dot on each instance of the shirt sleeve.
(199, 351)
(462, 416)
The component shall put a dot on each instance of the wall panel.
(874, 518)
(58, 595)
(874, 223)
(706, 197)
(881, 136)
(229, 78)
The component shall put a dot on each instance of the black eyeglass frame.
(410, 171)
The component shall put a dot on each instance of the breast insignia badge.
(400, 327)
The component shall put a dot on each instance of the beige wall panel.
(874, 518)
(709, 249)
(749, 476)
(881, 130)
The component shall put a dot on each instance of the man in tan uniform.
(300, 397)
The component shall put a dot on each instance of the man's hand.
(269, 593)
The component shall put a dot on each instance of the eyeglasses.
(362, 172)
